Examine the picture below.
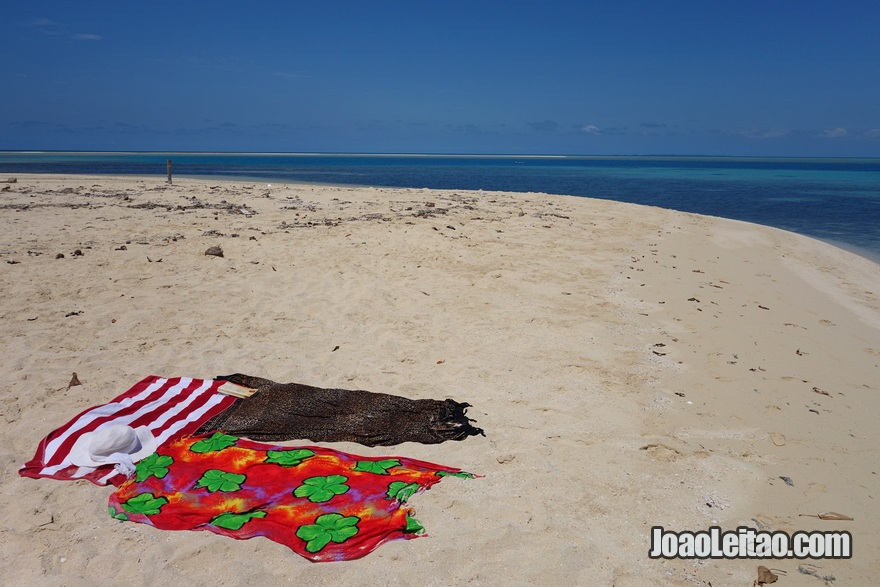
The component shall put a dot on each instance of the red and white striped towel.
(170, 408)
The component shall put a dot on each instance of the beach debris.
(777, 438)
(765, 576)
(763, 307)
(214, 251)
(121, 248)
(441, 361)
(662, 452)
(336, 348)
(787, 480)
(13, 262)
(159, 261)
(59, 256)
(693, 300)
(78, 253)
(11, 180)
(74, 381)
(800, 353)
(821, 392)
(234, 390)
(829, 516)
(829, 579)
(69, 314)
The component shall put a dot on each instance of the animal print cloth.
(292, 411)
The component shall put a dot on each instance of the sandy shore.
(631, 367)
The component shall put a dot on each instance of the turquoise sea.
(836, 200)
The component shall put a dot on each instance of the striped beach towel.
(170, 408)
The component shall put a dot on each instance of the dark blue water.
(837, 200)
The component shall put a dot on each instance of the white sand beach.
(631, 367)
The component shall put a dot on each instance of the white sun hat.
(117, 444)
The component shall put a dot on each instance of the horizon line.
(461, 155)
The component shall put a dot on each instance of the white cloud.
(46, 26)
(874, 133)
(591, 129)
(765, 133)
(288, 75)
(834, 133)
(87, 37)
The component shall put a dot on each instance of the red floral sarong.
(324, 504)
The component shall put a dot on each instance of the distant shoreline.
(831, 199)
(867, 254)
(655, 157)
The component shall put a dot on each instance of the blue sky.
(774, 78)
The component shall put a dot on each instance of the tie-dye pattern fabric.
(324, 504)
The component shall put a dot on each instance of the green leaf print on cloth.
(377, 467)
(288, 458)
(217, 480)
(233, 521)
(413, 526)
(216, 443)
(155, 465)
(335, 527)
(145, 503)
(321, 489)
(401, 490)
(460, 474)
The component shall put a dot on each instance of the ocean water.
(836, 200)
